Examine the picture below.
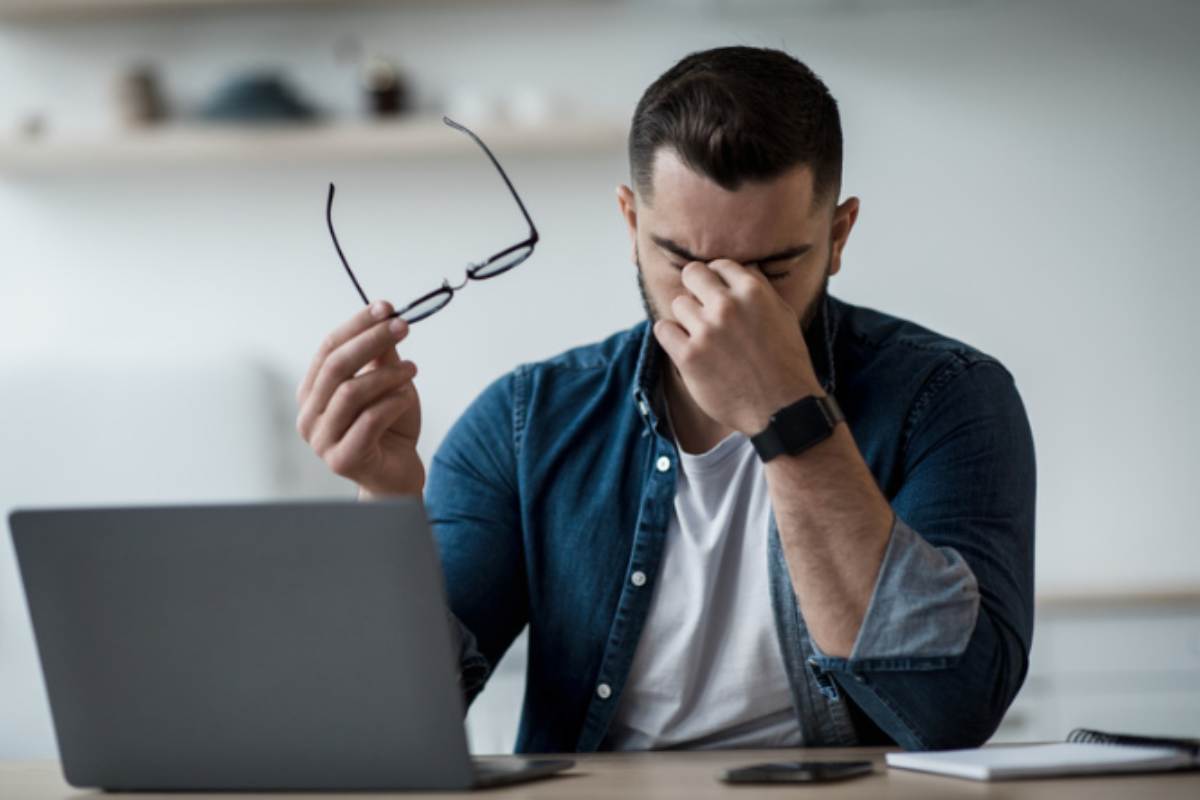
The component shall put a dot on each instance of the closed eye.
(769, 274)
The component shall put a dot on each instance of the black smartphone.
(798, 772)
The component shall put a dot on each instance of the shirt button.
(604, 691)
(638, 578)
(663, 464)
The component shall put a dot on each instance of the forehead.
(693, 210)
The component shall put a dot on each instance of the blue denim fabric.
(557, 484)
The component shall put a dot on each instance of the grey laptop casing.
(258, 646)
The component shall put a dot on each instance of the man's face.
(776, 227)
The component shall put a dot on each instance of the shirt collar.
(819, 337)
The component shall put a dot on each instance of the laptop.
(297, 646)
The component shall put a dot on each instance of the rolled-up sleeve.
(925, 601)
(944, 644)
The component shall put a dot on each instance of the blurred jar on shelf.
(140, 102)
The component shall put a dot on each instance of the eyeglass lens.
(501, 263)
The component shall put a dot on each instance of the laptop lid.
(278, 645)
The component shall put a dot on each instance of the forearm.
(943, 644)
(834, 525)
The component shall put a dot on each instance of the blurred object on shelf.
(473, 106)
(258, 98)
(525, 105)
(386, 88)
(140, 98)
(532, 105)
(32, 126)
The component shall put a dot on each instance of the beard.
(807, 318)
(652, 312)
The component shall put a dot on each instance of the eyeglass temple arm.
(532, 228)
(337, 246)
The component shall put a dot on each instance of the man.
(705, 552)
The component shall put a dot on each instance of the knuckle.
(346, 393)
(373, 416)
(723, 308)
(319, 443)
(337, 362)
(328, 344)
(340, 463)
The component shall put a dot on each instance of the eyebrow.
(681, 251)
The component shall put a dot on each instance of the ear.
(627, 204)
(844, 217)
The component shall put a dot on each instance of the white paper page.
(991, 763)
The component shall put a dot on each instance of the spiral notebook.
(1085, 752)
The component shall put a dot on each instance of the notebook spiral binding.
(1090, 736)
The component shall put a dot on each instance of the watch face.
(804, 423)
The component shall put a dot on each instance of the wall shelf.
(55, 10)
(183, 145)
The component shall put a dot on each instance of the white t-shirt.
(708, 672)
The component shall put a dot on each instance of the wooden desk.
(692, 776)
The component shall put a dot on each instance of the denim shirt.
(557, 485)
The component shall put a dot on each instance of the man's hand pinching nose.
(738, 345)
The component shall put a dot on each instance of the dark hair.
(737, 114)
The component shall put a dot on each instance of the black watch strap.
(797, 427)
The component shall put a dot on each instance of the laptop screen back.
(292, 645)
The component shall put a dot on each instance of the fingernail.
(397, 326)
(379, 309)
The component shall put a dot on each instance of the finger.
(347, 359)
(369, 427)
(365, 318)
(736, 276)
(672, 338)
(705, 283)
(352, 397)
(687, 313)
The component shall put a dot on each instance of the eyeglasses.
(496, 264)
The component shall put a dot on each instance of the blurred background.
(1029, 183)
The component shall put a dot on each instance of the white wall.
(1027, 171)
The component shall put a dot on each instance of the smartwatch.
(797, 427)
